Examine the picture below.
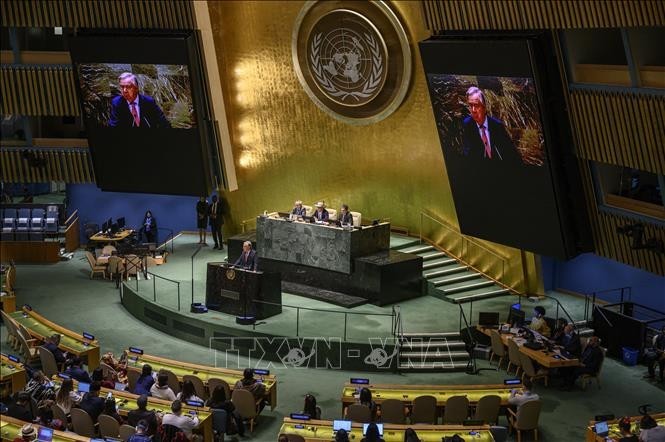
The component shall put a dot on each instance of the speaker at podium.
(242, 293)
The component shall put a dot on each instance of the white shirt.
(184, 422)
(138, 111)
(521, 399)
(162, 392)
(656, 434)
(487, 132)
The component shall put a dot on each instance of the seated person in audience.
(145, 381)
(345, 217)
(98, 375)
(625, 430)
(52, 344)
(28, 434)
(310, 407)
(40, 387)
(111, 410)
(569, 341)
(188, 393)
(249, 383)
(92, 403)
(219, 401)
(298, 209)
(341, 435)
(186, 423)
(372, 434)
(66, 397)
(141, 434)
(320, 214)
(518, 399)
(365, 398)
(76, 372)
(21, 408)
(559, 329)
(655, 354)
(161, 388)
(538, 322)
(650, 431)
(142, 413)
(410, 435)
(590, 361)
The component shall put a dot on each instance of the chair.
(295, 438)
(497, 347)
(359, 413)
(308, 210)
(392, 411)
(487, 409)
(424, 410)
(357, 219)
(500, 434)
(219, 419)
(8, 224)
(456, 411)
(133, 267)
(198, 385)
(82, 423)
(525, 419)
(116, 269)
(246, 406)
(108, 426)
(132, 377)
(214, 382)
(126, 431)
(94, 268)
(586, 378)
(174, 383)
(108, 371)
(36, 223)
(49, 364)
(29, 353)
(59, 413)
(108, 250)
(529, 370)
(12, 330)
(514, 357)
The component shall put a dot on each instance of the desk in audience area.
(12, 373)
(407, 393)
(543, 357)
(117, 237)
(318, 430)
(10, 428)
(71, 342)
(318, 245)
(614, 427)
(204, 372)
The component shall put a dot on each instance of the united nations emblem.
(230, 274)
(352, 58)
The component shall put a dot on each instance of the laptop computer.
(84, 387)
(45, 434)
(601, 429)
(488, 319)
(341, 425)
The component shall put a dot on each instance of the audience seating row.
(29, 224)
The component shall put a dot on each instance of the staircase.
(448, 279)
(432, 352)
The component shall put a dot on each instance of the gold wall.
(286, 148)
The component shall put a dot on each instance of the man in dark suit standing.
(486, 137)
(248, 259)
(131, 109)
(216, 219)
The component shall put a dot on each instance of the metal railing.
(154, 285)
(464, 244)
(590, 299)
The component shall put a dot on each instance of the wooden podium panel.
(233, 290)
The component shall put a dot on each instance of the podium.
(234, 290)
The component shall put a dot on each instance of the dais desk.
(101, 237)
(136, 361)
(407, 393)
(71, 342)
(318, 430)
(10, 428)
(12, 372)
(614, 427)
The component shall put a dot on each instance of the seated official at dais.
(320, 214)
(298, 209)
(345, 217)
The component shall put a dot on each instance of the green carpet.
(64, 293)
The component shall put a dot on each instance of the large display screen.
(498, 144)
(141, 98)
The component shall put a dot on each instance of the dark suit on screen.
(248, 261)
(150, 114)
(503, 149)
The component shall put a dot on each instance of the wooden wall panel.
(138, 14)
(448, 15)
(38, 90)
(68, 165)
(624, 129)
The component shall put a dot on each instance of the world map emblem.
(352, 58)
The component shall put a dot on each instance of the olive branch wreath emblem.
(369, 87)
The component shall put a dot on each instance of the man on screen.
(484, 136)
(131, 109)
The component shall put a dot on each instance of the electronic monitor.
(380, 427)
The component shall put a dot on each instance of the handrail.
(74, 214)
(172, 236)
(464, 239)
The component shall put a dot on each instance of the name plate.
(230, 294)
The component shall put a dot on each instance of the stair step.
(438, 263)
(482, 295)
(433, 255)
(443, 272)
(439, 366)
(434, 355)
(466, 287)
(406, 244)
(420, 248)
(456, 279)
(432, 344)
